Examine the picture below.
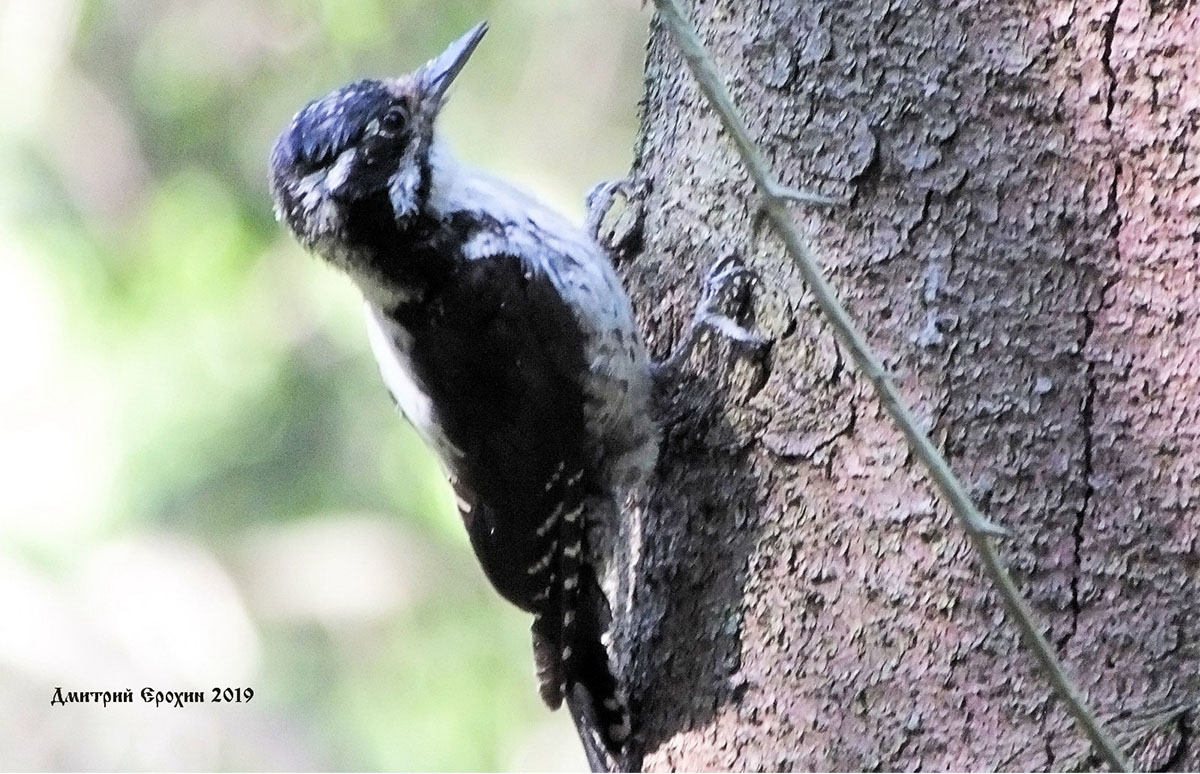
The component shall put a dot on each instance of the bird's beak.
(439, 73)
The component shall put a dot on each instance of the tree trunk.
(1019, 243)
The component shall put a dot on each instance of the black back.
(501, 357)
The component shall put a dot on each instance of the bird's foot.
(726, 275)
(600, 202)
(617, 227)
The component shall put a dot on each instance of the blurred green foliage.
(179, 371)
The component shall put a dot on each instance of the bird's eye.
(394, 119)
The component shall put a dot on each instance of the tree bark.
(1020, 245)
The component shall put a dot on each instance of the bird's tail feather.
(569, 653)
(594, 695)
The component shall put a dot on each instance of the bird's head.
(363, 140)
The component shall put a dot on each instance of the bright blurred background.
(203, 481)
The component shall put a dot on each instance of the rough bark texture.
(1021, 247)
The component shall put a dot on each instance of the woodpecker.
(505, 337)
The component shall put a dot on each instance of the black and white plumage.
(505, 337)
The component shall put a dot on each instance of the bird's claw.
(723, 275)
(600, 201)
